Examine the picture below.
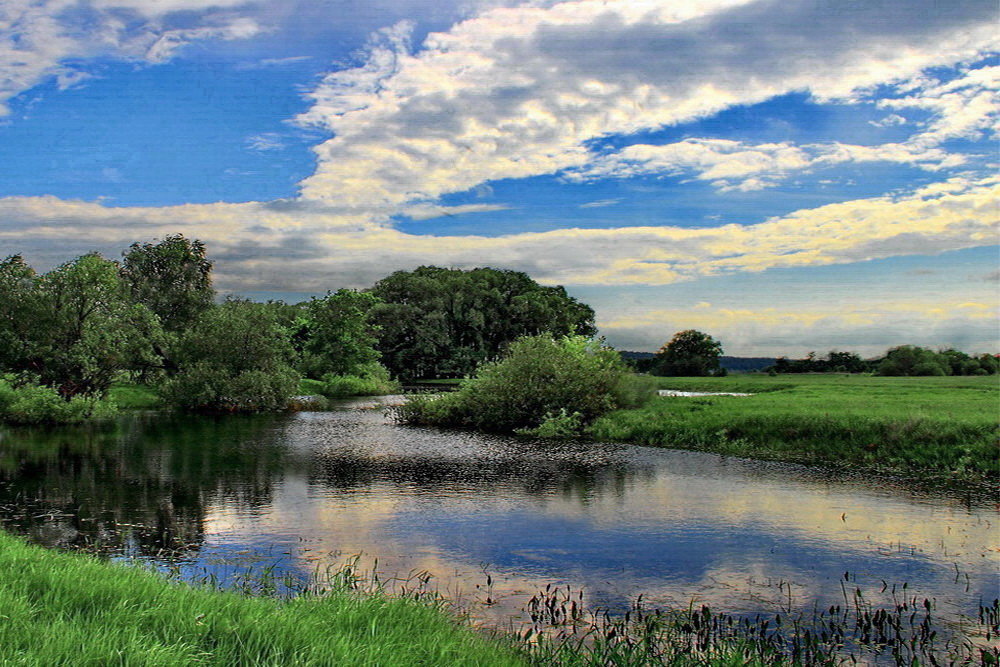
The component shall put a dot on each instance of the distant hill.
(736, 364)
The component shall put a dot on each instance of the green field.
(942, 426)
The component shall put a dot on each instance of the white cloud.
(517, 92)
(736, 165)
(44, 39)
(965, 107)
(266, 141)
(430, 211)
(601, 203)
(307, 246)
(867, 326)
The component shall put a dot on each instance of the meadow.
(935, 426)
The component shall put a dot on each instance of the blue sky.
(788, 176)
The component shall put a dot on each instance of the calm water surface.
(303, 492)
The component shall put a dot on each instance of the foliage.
(172, 278)
(439, 322)
(62, 609)
(902, 360)
(941, 426)
(834, 362)
(235, 358)
(689, 352)
(540, 377)
(372, 379)
(912, 360)
(20, 313)
(29, 403)
(133, 396)
(560, 424)
(83, 329)
(339, 338)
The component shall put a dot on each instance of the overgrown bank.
(941, 426)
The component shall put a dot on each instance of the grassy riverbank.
(943, 426)
(60, 608)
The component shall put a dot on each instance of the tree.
(339, 337)
(689, 352)
(445, 322)
(20, 313)
(172, 278)
(235, 358)
(87, 330)
(913, 360)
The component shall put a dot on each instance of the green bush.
(205, 386)
(557, 425)
(542, 380)
(234, 359)
(30, 403)
(372, 380)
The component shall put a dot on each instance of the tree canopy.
(172, 278)
(339, 336)
(437, 322)
(689, 352)
(73, 328)
(237, 358)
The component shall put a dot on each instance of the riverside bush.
(372, 379)
(30, 403)
(234, 359)
(542, 380)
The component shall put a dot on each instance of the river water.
(302, 493)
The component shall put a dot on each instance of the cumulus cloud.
(518, 92)
(50, 39)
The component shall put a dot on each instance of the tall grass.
(73, 609)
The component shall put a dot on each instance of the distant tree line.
(68, 334)
(904, 360)
(694, 353)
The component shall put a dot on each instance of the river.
(491, 519)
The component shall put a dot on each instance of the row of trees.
(694, 353)
(154, 316)
(904, 360)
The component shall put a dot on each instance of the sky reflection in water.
(302, 492)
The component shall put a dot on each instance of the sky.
(786, 175)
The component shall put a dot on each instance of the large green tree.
(21, 314)
(75, 326)
(437, 322)
(339, 336)
(689, 353)
(172, 278)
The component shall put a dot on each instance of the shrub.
(234, 359)
(541, 380)
(372, 379)
(30, 403)
(206, 386)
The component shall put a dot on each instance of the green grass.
(58, 608)
(945, 426)
(309, 387)
(134, 396)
